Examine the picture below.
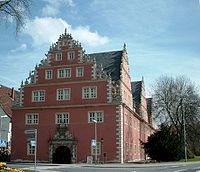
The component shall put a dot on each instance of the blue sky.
(162, 36)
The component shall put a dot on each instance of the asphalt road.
(161, 167)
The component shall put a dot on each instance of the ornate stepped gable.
(106, 65)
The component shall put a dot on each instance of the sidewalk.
(131, 165)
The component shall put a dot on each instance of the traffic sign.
(94, 143)
(30, 131)
(33, 143)
(31, 139)
(3, 143)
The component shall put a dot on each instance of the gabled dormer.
(139, 98)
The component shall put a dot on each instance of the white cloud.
(47, 30)
(84, 35)
(22, 47)
(49, 10)
(52, 8)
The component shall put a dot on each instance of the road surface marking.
(180, 170)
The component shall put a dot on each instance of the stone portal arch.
(62, 144)
(62, 155)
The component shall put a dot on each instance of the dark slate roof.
(136, 89)
(149, 106)
(110, 62)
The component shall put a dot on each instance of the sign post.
(32, 132)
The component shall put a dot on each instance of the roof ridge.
(111, 51)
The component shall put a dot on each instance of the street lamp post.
(102, 154)
(184, 129)
(184, 133)
(95, 135)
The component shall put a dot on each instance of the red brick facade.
(65, 93)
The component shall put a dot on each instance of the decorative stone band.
(119, 133)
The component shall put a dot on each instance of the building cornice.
(65, 106)
(64, 83)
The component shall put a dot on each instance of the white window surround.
(62, 118)
(38, 96)
(95, 115)
(31, 118)
(48, 74)
(89, 92)
(63, 94)
(64, 73)
(58, 56)
(71, 55)
(79, 71)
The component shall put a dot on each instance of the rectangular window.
(71, 55)
(97, 147)
(64, 94)
(61, 73)
(30, 149)
(62, 118)
(64, 73)
(58, 56)
(48, 74)
(89, 92)
(135, 148)
(98, 116)
(130, 121)
(135, 124)
(79, 71)
(32, 118)
(68, 73)
(38, 96)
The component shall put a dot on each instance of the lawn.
(196, 158)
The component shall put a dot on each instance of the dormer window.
(48, 74)
(71, 55)
(58, 56)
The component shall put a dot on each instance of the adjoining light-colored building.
(8, 97)
(73, 98)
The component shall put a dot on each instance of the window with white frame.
(62, 118)
(89, 92)
(32, 118)
(71, 55)
(61, 73)
(79, 71)
(135, 124)
(30, 149)
(58, 56)
(63, 94)
(126, 119)
(130, 121)
(68, 73)
(38, 96)
(64, 73)
(97, 147)
(97, 115)
(135, 148)
(48, 74)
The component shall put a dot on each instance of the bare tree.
(176, 101)
(16, 10)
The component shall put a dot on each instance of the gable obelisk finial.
(124, 47)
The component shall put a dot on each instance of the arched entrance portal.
(62, 155)
(62, 147)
